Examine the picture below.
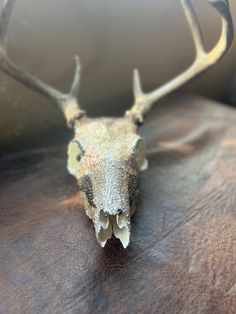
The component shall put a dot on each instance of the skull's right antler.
(66, 102)
(203, 60)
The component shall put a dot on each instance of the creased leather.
(182, 255)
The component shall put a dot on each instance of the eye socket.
(75, 153)
(139, 151)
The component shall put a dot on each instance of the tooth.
(102, 243)
(121, 220)
(104, 234)
(103, 220)
(123, 234)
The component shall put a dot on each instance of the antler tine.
(67, 103)
(203, 59)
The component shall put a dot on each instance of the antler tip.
(77, 60)
(137, 83)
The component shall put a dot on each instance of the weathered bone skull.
(107, 155)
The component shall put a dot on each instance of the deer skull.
(107, 155)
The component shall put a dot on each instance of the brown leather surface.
(182, 256)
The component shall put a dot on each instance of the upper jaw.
(118, 225)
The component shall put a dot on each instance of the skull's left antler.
(203, 60)
(67, 103)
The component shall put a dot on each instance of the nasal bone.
(114, 192)
(114, 202)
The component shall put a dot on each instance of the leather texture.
(182, 254)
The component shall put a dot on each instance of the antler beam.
(203, 59)
(67, 103)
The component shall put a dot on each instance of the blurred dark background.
(111, 37)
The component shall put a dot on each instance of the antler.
(203, 60)
(66, 102)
